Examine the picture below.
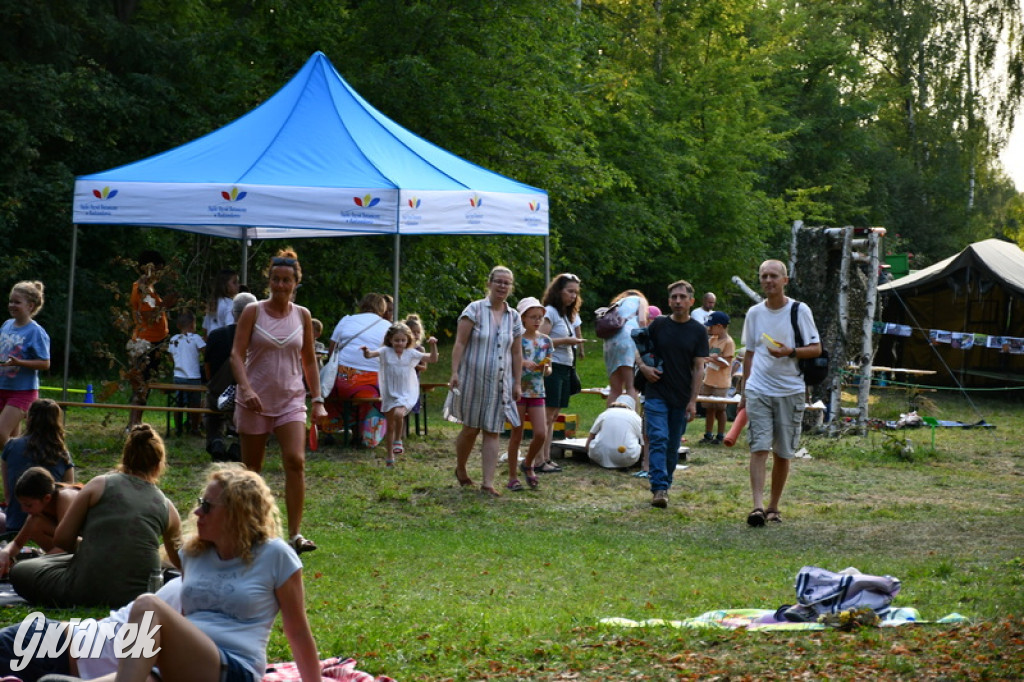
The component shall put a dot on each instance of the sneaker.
(660, 499)
(708, 439)
(719, 439)
(640, 474)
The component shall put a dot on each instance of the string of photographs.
(960, 340)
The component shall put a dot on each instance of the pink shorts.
(254, 424)
(20, 399)
(531, 402)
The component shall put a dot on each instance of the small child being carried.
(537, 350)
(399, 383)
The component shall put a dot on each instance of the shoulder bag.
(608, 321)
(329, 372)
(575, 385)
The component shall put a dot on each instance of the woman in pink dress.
(272, 354)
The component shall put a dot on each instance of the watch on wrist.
(793, 354)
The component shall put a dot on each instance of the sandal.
(514, 485)
(301, 544)
(464, 481)
(548, 467)
(756, 518)
(531, 478)
(773, 516)
(397, 448)
(389, 462)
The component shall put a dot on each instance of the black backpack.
(815, 370)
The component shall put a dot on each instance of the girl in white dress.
(399, 382)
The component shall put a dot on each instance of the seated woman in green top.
(121, 518)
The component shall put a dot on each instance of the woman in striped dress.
(487, 364)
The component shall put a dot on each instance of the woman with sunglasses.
(121, 518)
(272, 355)
(562, 324)
(487, 364)
(237, 575)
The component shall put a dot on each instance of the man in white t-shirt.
(616, 439)
(707, 307)
(774, 394)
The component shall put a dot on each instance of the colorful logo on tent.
(105, 193)
(233, 195)
(368, 201)
(414, 202)
(475, 201)
(534, 206)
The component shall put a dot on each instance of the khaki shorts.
(775, 423)
(716, 392)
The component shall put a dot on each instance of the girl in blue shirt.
(24, 351)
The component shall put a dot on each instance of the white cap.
(626, 400)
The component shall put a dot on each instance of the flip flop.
(301, 544)
(756, 518)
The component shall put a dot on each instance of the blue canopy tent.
(314, 160)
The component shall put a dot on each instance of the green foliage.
(674, 139)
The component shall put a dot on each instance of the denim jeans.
(665, 428)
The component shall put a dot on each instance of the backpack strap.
(798, 338)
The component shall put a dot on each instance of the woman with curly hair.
(121, 518)
(237, 575)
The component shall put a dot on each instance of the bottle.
(89, 397)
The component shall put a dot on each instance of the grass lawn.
(421, 580)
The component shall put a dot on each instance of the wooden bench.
(65, 404)
(171, 391)
(349, 407)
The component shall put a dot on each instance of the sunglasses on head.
(278, 260)
(570, 277)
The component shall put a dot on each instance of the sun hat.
(527, 303)
(717, 317)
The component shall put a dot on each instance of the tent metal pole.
(244, 269)
(71, 301)
(394, 270)
(547, 258)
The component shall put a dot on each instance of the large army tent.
(977, 292)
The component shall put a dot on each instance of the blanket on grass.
(330, 669)
(762, 619)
